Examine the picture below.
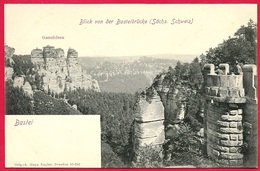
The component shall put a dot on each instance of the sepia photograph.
(130, 85)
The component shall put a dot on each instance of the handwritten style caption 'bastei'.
(173, 21)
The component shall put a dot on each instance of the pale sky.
(26, 24)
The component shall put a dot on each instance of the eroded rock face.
(20, 82)
(148, 123)
(72, 53)
(28, 89)
(8, 73)
(9, 51)
(49, 52)
(37, 53)
(17, 81)
(172, 99)
(60, 53)
(60, 73)
(160, 110)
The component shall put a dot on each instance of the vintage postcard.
(130, 85)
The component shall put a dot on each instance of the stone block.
(234, 149)
(230, 130)
(240, 111)
(209, 69)
(223, 92)
(229, 143)
(240, 143)
(219, 147)
(233, 124)
(233, 137)
(231, 118)
(242, 92)
(240, 137)
(233, 112)
(223, 123)
(224, 67)
(214, 91)
(238, 162)
(239, 126)
(238, 100)
(231, 156)
(234, 92)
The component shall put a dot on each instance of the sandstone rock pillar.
(148, 124)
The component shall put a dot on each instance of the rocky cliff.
(18, 81)
(9, 62)
(160, 109)
(59, 72)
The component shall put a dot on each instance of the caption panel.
(52, 141)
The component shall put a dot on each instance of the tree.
(16, 101)
(240, 47)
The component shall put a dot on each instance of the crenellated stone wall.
(226, 113)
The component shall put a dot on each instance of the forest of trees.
(117, 114)
(242, 46)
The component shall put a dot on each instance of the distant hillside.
(90, 62)
(125, 74)
(178, 57)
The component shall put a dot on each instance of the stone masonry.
(225, 115)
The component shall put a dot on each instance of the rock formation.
(148, 123)
(160, 110)
(59, 72)
(230, 125)
(18, 81)
(9, 62)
